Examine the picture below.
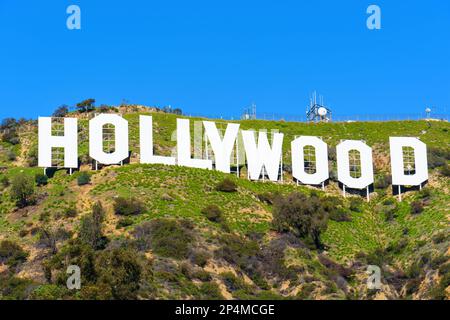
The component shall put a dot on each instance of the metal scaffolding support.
(58, 153)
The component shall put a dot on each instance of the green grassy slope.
(172, 191)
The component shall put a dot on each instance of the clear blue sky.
(215, 57)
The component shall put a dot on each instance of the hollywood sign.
(262, 157)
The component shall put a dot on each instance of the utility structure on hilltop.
(428, 113)
(317, 111)
(249, 113)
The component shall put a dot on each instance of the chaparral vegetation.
(171, 232)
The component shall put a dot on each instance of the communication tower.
(317, 111)
(428, 112)
(249, 113)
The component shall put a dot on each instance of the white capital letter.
(399, 178)
(184, 148)
(298, 160)
(343, 163)
(222, 148)
(69, 142)
(262, 154)
(146, 138)
(96, 139)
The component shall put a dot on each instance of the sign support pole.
(281, 168)
(237, 158)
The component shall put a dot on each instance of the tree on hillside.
(8, 130)
(86, 105)
(119, 272)
(301, 215)
(91, 229)
(168, 109)
(61, 111)
(177, 111)
(22, 190)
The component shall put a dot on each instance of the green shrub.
(14, 288)
(32, 156)
(61, 111)
(128, 207)
(306, 291)
(438, 261)
(445, 170)
(356, 205)
(83, 178)
(237, 250)
(8, 130)
(49, 292)
(440, 238)
(388, 209)
(340, 215)
(377, 257)
(416, 207)
(71, 212)
(22, 190)
(302, 216)
(87, 105)
(124, 222)
(439, 292)
(232, 282)
(226, 185)
(4, 181)
(11, 253)
(11, 156)
(41, 179)
(396, 247)
(91, 228)
(383, 181)
(166, 237)
(437, 157)
(389, 215)
(212, 213)
(200, 257)
(424, 194)
(119, 272)
(75, 252)
(267, 197)
(23, 233)
(201, 275)
(210, 291)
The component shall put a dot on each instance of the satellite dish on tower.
(322, 112)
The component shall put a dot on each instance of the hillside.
(160, 232)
